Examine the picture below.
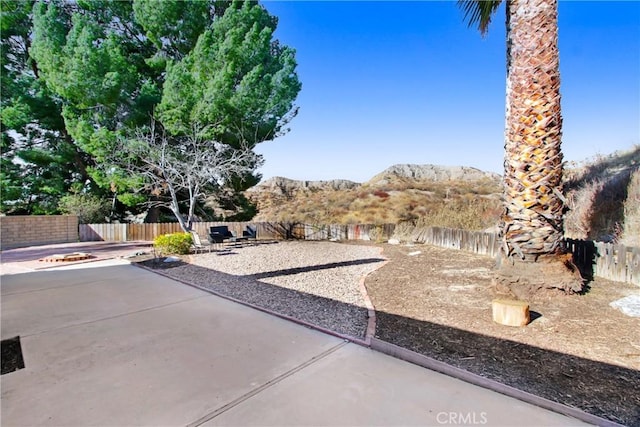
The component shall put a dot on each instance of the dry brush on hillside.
(603, 198)
(458, 204)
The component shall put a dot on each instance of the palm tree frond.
(479, 12)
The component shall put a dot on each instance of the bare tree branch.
(189, 164)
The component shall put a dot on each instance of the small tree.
(186, 166)
(88, 207)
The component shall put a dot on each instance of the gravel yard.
(316, 282)
(578, 350)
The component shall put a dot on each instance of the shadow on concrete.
(594, 387)
(597, 388)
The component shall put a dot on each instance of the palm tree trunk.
(532, 223)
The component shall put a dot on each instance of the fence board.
(106, 232)
(634, 266)
(617, 262)
(265, 230)
(606, 260)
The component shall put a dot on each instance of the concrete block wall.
(32, 230)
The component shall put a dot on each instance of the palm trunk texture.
(532, 222)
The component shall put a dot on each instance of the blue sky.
(386, 82)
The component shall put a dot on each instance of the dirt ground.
(577, 350)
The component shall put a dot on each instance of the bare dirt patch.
(578, 350)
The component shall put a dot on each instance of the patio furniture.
(220, 233)
(251, 232)
(197, 244)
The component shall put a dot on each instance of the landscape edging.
(371, 310)
(257, 307)
(469, 377)
(417, 359)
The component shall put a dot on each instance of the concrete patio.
(107, 343)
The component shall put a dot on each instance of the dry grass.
(631, 232)
(452, 206)
(602, 196)
(467, 213)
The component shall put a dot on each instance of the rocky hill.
(418, 173)
(283, 186)
(402, 192)
(603, 197)
(432, 173)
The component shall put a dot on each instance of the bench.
(220, 234)
(250, 233)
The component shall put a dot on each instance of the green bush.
(89, 208)
(176, 243)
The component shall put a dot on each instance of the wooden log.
(510, 312)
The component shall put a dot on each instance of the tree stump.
(522, 280)
(510, 312)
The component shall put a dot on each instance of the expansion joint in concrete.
(266, 385)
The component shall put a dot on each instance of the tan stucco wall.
(32, 230)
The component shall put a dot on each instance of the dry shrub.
(404, 231)
(596, 208)
(631, 231)
(377, 234)
(581, 201)
(464, 213)
(352, 218)
(596, 190)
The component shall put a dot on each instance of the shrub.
(88, 207)
(578, 220)
(596, 208)
(631, 234)
(175, 243)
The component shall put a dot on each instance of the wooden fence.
(265, 230)
(470, 241)
(124, 232)
(606, 260)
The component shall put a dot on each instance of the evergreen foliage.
(79, 77)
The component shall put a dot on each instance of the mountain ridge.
(402, 192)
(420, 172)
